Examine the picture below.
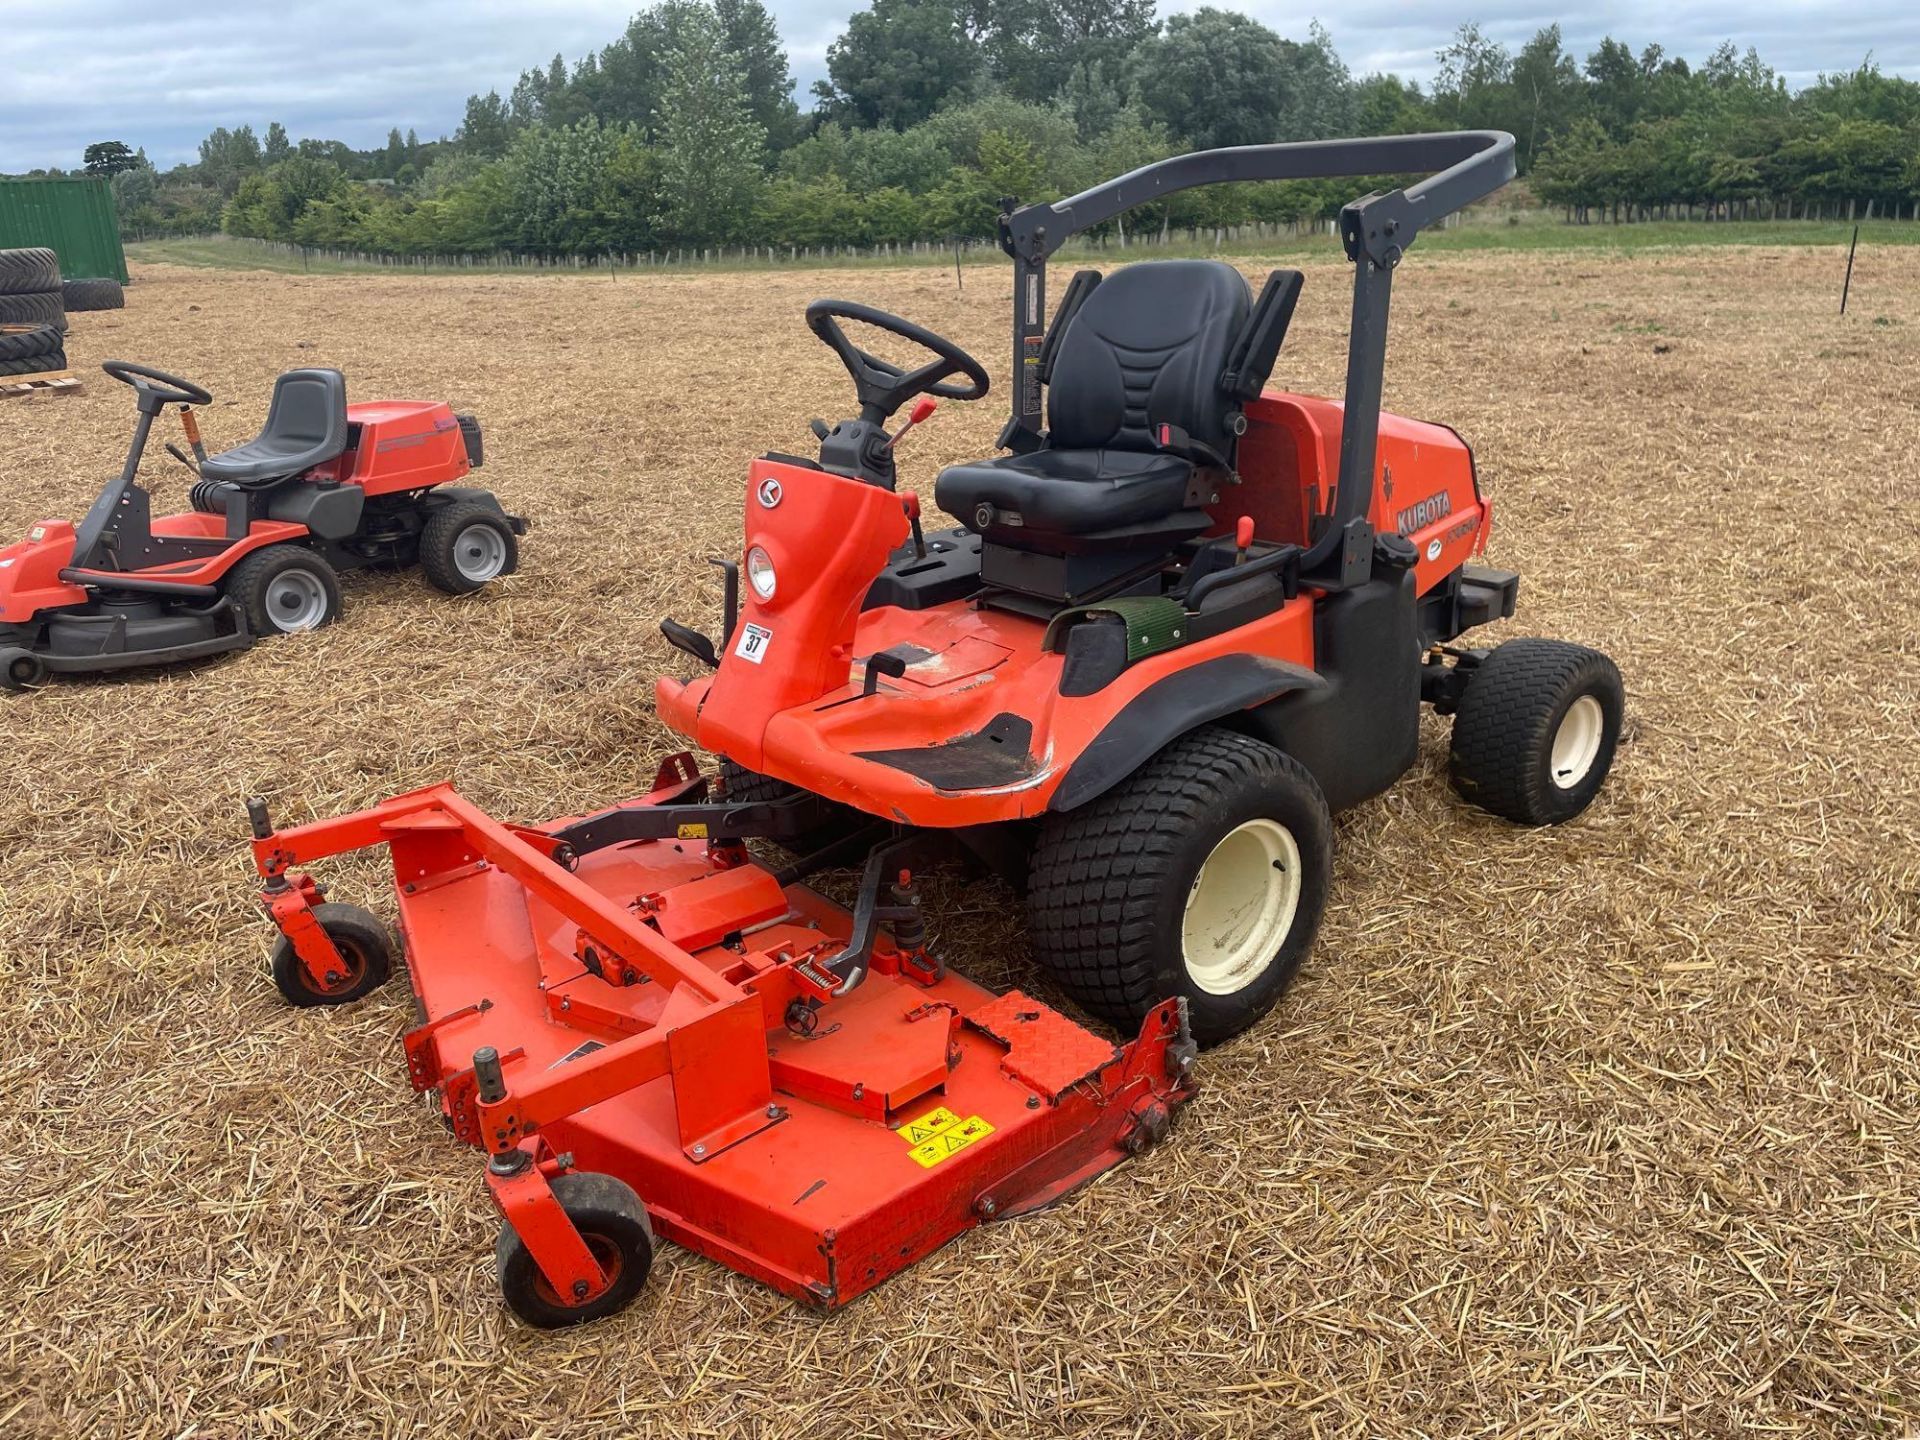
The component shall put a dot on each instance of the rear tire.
(93, 295)
(613, 1222)
(33, 270)
(43, 364)
(1535, 733)
(1202, 875)
(27, 344)
(285, 589)
(465, 545)
(43, 309)
(364, 946)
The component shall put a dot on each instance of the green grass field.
(1498, 230)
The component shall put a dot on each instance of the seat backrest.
(1148, 348)
(309, 412)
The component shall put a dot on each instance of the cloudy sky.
(74, 71)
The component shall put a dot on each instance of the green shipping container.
(74, 216)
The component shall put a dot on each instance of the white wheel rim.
(1576, 743)
(1241, 907)
(479, 553)
(296, 600)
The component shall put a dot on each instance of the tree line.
(684, 133)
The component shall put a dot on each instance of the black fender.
(1168, 709)
(443, 495)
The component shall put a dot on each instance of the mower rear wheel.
(1203, 875)
(466, 545)
(285, 589)
(613, 1222)
(364, 946)
(1535, 732)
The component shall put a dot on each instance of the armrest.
(1251, 359)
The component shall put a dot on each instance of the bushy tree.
(712, 148)
(1216, 77)
(896, 64)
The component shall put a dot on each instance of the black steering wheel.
(165, 390)
(882, 386)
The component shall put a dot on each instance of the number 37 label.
(753, 642)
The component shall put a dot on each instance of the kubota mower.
(325, 487)
(1180, 625)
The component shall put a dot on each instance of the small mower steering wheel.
(882, 386)
(165, 390)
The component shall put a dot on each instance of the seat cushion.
(306, 426)
(1068, 492)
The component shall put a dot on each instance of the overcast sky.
(75, 71)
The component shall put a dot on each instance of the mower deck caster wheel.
(466, 545)
(363, 944)
(613, 1222)
(1534, 735)
(21, 670)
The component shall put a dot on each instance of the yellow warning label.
(950, 1141)
(927, 1126)
(693, 832)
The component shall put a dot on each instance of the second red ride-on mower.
(1180, 625)
(326, 486)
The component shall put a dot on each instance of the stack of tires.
(30, 292)
(92, 295)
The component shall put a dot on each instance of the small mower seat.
(1147, 348)
(306, 426)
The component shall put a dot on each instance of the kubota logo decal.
(770, 492)
(1418, 517)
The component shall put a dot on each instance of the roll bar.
(1461, 166)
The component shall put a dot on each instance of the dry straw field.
(1605, 1131)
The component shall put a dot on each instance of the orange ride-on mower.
(1180, 625)
(325, 487)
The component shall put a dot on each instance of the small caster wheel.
(363, 945)
(614, 1224)
(21, 670)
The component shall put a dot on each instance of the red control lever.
(1242, 538)
(923, 409)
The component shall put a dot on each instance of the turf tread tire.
(444, 527)
(597, 1205)
(82, 295)
(1504, 726)
(248, 580)
(34, 270)
(1109, 880)
(33, 310)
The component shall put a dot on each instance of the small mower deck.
(668, 1013)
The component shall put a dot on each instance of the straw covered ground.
(1608, 1130)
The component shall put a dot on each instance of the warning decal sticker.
(940, 1133)
(927, 1126)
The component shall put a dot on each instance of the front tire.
(1203, 875)
(366, 950)
(1535, 733)
(285, 589)
(466, 545)
(613, 1222)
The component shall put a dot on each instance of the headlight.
(760, 572)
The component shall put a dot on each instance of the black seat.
(306, 426)
(1147, 348)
